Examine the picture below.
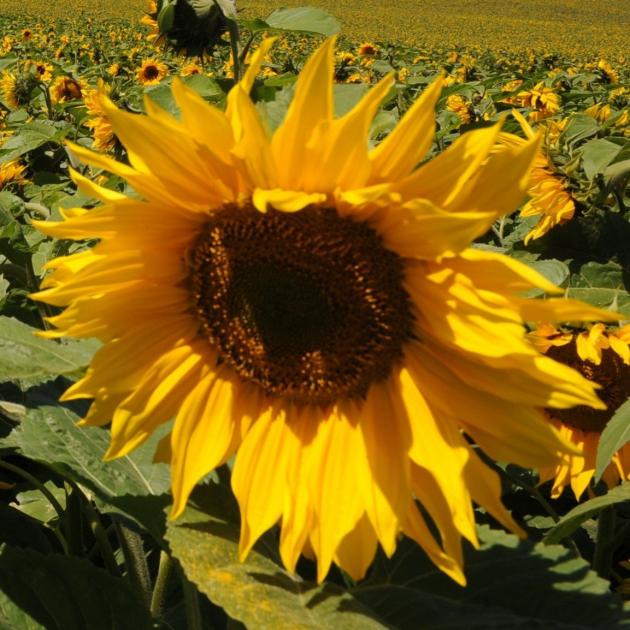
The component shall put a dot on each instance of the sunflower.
(190, 69)
(43, 71)
(98, 120)
(609, 74)
(367, 49)
(11, 173)
(64, 89)
(603, 356)
(543, 101)
(548, 197)
(459, 105)
(9, 90)
(151, 72)
(313, 308)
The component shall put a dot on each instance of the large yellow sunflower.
(313, 307)
(603, 356)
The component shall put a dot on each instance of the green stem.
(191, 604)
(135, 562)
(99, 533)
(246, 48)
(74, 521)
(234, 41)
(602, 558)
(161, 582)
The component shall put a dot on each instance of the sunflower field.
(314, 317)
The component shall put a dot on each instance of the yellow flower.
(548, 196)
(113, 70)
(600, 111)
(190, 69)
(42, 70)
(65, 89)
(609, 74)
(458, 104)
(543, 100)
(367, 49)
(511, 86)
(27, 34)
(11, 173)
(8, 89)
(151, 72)
(313, 307)
(603, 356)
(98, 121)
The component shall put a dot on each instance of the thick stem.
(602, 558)
(191, 604)
(161, 582)
(135, 562)
(234, 42)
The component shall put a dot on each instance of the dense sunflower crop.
(331, 327)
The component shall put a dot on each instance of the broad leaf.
(31, 360)
(614, 436)
(32, 136)
(511, 584)
(305, 19)
(571, 521)
(133, 484)
(597, 155)
(52, 592)
(258, 592)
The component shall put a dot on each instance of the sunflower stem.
(165, 569)
(136, 563)
(191, 603)
(234, 42)
(602, 558)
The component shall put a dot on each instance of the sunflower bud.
(193, 27)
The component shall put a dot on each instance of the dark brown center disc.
(612, 374)
(308, 305)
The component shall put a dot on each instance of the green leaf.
(304, 19)
(615, 435)
(52, 592)
(512, 583)
(31, 360)
(33, 135)
(580, 127)
(554, 270)
(133, 484)
(573, 519)
(258, 592)
(597, 155)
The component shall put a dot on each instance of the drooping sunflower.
(65, 88)
(98, 120)
(542, 100)
(603, 356)
(12, 173)
(549, 198)
(151, 72)
(314, 308)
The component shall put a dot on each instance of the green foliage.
(52, 592)
(614, 437)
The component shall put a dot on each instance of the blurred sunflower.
(65, 89)
(548, 197)
(459, 105)
(43, 71)
(367, 49)
(98, 120)
(609, 74)
(8, 89)
(542, 100)
(602, 356)
(190, 69)
(313, 307)
(151, 72)
(11, 173)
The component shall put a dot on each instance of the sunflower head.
(151, 72)
(16, 91)
(312, 307)
(65, 88)
(602, 355)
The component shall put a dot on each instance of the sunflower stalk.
(603, 556)
(191, 603)
(165, 570)
(234, 44)
(135, 562)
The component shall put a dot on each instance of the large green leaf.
(304, 19)
(511, 584)
(51, 592)
(259, 593)
(32, 136)
(614, 436)
(597, 155)
(133, 484)
(31, 360)
(572, 520)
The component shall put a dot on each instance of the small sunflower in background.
(312, 307)
(367, 49)
(42, 70)
(542, 100)
(602, 355)
(98, 121)
(549, 198)
(151, 72)
(65, 88)
(12, 173)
